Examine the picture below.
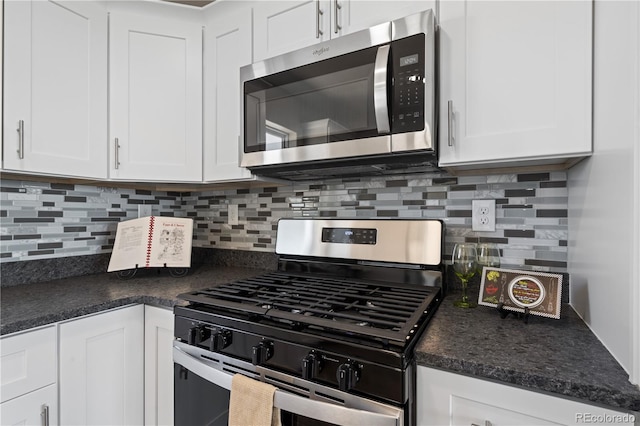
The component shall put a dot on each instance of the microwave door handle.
(380, 89)
(286, 401)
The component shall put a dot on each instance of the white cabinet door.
(451, 399)
(517, 76)
(356, 15)
(284, 26)
(39, 407)
(227, 47)
(101, 368)
(55, 88)
(158, 366)
(156, 98)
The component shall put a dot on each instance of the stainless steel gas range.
(334, 329)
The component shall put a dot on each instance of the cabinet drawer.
(36, 408)
(28, 362)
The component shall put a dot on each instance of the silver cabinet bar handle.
(117, 154)
(44, 415)
(450, 119)
(319, 13)
(21, 139)
(337, 6)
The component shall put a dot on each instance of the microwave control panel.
(408, 84)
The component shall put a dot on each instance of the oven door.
(203, 383)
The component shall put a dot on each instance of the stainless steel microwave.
(360, 103)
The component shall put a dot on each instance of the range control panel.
(349, 235)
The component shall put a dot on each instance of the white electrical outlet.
(232, 212)
(144, 210)
(483, 215)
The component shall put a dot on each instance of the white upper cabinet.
(356, 15)
(227, 47)
(55, 88)
(515, 82)
(284, 26)
(155, 98)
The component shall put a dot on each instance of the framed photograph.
(540, 292)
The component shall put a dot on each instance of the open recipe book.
(153, 241)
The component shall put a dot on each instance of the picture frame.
(536, 293)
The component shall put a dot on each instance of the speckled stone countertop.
(561, 357)
(32, 305)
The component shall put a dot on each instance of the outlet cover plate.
(144, 210)
(483, 215)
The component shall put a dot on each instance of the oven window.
(197, 401)
(327, 101)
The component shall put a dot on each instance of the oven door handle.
(380, 105)
(318, 410)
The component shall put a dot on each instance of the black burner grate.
(364, 308)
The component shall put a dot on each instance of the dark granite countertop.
(561, 357)
(32, 305)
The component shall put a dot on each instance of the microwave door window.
(324, 102)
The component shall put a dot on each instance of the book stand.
(127, 274)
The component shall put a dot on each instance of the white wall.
(604, 191)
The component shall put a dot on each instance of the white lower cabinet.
(158, 366)
(28, 381)
(101, 368)
(39, 407)
(452, 399)
(114, 368)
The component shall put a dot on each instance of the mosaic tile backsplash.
(45, 220)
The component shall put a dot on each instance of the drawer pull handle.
(450, 122)
(319, 13)
(117, 154)
(44, 415)
(21, 139)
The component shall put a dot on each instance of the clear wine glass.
(488, 255)
(465, 265)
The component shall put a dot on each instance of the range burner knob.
(348, 375)
(261, 352)
(198, 335)
(220, 340)
(191, 337)
(311, 366)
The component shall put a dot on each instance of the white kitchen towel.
(251, 403)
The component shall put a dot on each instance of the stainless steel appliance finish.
(401, 241)
(295, 395)
(377, 84)
(334, 328)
